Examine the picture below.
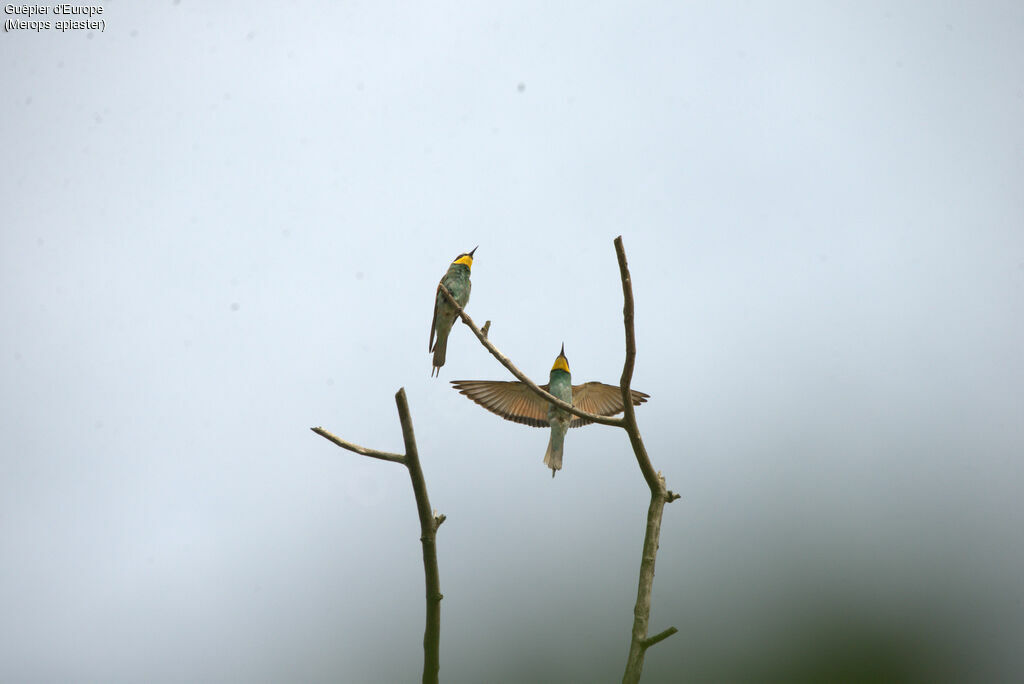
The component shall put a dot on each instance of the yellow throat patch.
(466, 260)
(561, 363)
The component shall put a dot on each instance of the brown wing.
(511, 400)
(602, 399)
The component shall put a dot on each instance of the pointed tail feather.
(440, 351)
(553, 456)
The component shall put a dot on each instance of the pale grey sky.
(224, 224)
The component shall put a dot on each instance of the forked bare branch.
(429, 522)
(660, 495)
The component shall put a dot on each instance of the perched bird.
(516, 402)
(456, 280)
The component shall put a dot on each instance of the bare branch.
(429, 522)
(627, 313)
(504, 361)
(428, 537)
(645, 586)
(659, 494)
(660, 636)
(372, 453)
(629, 415)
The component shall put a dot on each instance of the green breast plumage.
(456, 280)
(561, 386)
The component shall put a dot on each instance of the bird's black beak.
(562, 353)
(473, 250)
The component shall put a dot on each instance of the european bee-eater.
(516, 402)
(456, 280)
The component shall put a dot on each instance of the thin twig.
(660, 636)
(372, 453)
(504, 361)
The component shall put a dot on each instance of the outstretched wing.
(511, 400)
(602, 399)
